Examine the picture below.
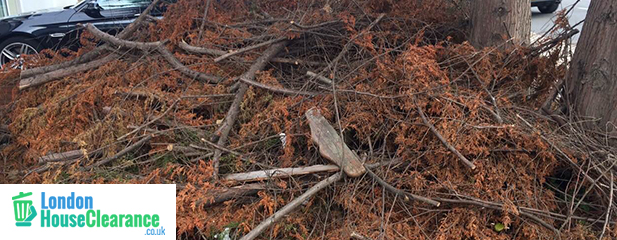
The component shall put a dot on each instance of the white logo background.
(109, 198)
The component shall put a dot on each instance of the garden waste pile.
(450, 138)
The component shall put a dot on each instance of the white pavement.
(541, 22)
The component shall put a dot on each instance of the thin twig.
(350, 42)
(291, 206)
(608, 209)
(249, 48)
(497, 206)
(121, 153)
(443, 140)
(406, 196)
(203, 21)
(173, 105)
(276, 89)
(319, 77)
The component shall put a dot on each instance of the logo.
(88, 211)
(24, 210)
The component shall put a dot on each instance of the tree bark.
(592, 80)
(495, 22)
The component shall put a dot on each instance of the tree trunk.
(494, 22)
(592, 80)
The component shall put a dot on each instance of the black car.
(31, 32)
(546, 6)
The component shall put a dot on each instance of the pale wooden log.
(331, 146)
(279, 173)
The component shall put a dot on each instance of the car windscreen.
(79, 4)
(115, 4)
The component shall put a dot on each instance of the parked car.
(546, 6)
(29, 33)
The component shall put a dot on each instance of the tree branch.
(61, 73)
(249, 48)
(276, 89)
(291, 206)
(174, 62)
(406, 196)
(121, 153)
(443, 140)
(95, 53)
(223, 132)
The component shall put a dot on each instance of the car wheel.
(12, 49)
(549, 7)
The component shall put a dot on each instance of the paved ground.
(541, 22)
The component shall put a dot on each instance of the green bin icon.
(24, 211)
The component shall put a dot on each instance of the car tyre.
(12, 47)
(549, 7)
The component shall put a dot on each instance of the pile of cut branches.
(245, 105)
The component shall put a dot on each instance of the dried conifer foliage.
(375, 68)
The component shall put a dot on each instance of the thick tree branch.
(144, 46)
(94, 54)
(174, 62)
(223, 131)
(61, 73)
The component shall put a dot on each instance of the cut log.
(68, 155)
(331, 146)
(222, 195)
(278, 173)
